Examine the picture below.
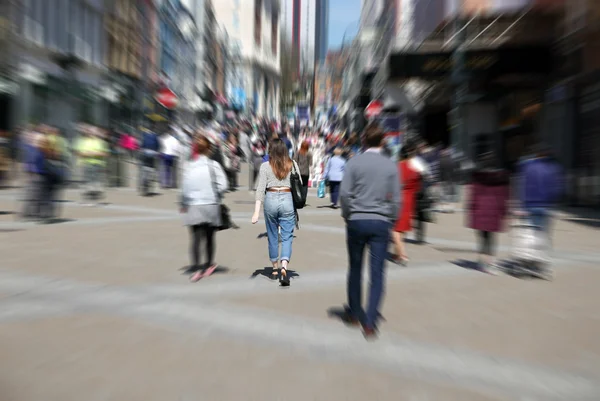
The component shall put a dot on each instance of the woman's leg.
(210, 244)
(272, 224)
(485, 248)
(195, 236)
(305, 179)
(287, 224)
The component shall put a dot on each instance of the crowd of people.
(381, 200)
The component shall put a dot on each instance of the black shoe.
(349, 320)
(284, 279)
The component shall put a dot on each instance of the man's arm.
(346, 188)
(395, 192)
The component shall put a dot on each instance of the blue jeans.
(539, 217)
(361, 233)
(279, 212)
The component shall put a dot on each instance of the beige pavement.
(98, 308)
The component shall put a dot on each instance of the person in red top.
(410, 180)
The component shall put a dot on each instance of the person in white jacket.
(169, 151)
(203, 185)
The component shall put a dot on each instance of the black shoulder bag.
(226, 222)
(298, 193)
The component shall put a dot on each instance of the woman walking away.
(334, 173)
(488, 205)
(274, 190)
(204, 183)
(411, 181)
(304, 160)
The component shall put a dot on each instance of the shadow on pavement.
(342, 313)
(450, 249)
(592, 223)
(414, 241)
(328, 207)
(264, 235)
(267, 272)
(57, 220)
(468, 264)
(5, 213)
(189, 270)
(152, 194)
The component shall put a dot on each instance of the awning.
(527, 59)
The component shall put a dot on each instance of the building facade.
(572, 104)
(321, 32)
(59, 50)
(124, 51)
(253, 27)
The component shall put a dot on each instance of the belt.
(279, 190)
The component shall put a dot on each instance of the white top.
(169, 145)
(420, 166)
(197, 188)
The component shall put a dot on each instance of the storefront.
(495, 78)
(587, 147)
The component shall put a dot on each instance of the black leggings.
(197, 233)
(486, 242)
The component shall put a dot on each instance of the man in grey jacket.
(370, 201)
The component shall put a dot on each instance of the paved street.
(98, 307)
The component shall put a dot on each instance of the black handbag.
(298, 193)
(226, 221)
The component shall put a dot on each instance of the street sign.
(373, 109)
(167, 98)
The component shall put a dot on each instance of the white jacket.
(197, 187)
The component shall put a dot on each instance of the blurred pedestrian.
(304, 159)
(274, 191)
(410, 180)
(488, 206)
(448, 176)
(52, 171)
(542, 185)
(92, 151)
(32, 151)
(169, 152)
(334, 173)
(370, 200)
(231, 160)
(203, 185)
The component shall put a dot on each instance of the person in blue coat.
(334, 173)
(542, 185)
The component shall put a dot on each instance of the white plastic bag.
(528, 243)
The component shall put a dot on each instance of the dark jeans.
(359, 234)
(420, 228)
(168, 173)
(334, 191)
(305, 183)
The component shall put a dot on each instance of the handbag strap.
(213, 181)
